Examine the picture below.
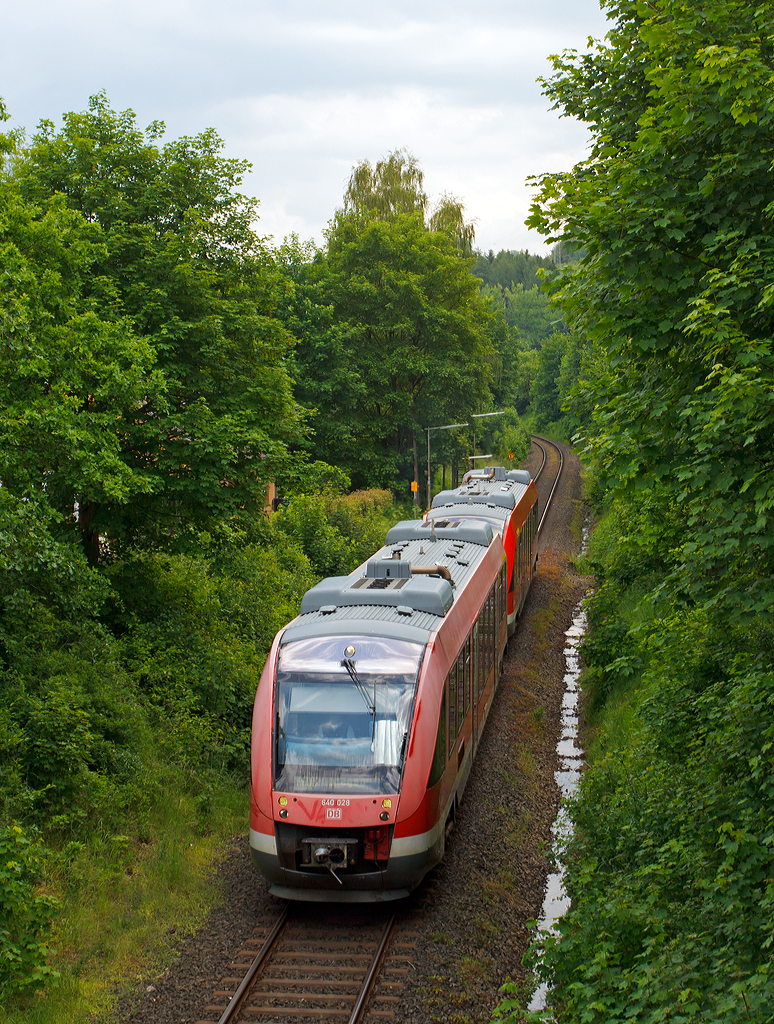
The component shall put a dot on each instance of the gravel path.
(475, 906)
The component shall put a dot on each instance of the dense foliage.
(410, 337)
(538, 357)
(180, 288)
(146, 403)
(510, 269)
(161, 364)
(674, 212)
(670, 869)
(25, 914)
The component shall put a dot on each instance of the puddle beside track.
(571, 761)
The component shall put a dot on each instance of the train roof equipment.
(493, 492)
(403, 590)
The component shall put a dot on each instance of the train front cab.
(385, 844)
(329, 830)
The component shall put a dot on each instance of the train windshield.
(344, 707)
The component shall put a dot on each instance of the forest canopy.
(163, 374)
(162, 364)
(671, 864)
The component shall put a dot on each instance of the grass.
(611, 727)
(543, 619)
(525, 762)
(475, 969)
(125, 903)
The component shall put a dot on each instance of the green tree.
(395, 185)
(670, 867)
(74, 375)
(395, 339)
(511, 267)
(545, 386)
(393, 334)
(176, 271)
(511, 439)
(673, 211)
(529, 310)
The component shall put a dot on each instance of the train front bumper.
(409, 861)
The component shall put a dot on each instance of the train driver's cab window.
(343, 713)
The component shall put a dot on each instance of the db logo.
(333, 812)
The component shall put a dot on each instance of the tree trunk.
(87, 511)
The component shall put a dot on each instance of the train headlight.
(283, 801)
(385, 815)
(386, 803)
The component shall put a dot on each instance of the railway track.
(541, 443)
(312, 963)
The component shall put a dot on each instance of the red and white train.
(372, 702)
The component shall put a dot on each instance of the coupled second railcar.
(507, 499)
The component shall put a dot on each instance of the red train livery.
(507, 499)
(372, 702)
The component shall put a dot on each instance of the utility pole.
(480, 416)
(448, 426)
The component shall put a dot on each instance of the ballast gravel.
(471, 912)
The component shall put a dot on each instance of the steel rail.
(545, 457)
(558, 450)
(239, 996)
(373, 972)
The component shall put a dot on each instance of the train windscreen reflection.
(344, 707)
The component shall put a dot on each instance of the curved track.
(545, 441)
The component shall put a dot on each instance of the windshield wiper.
(403, 748)
(349, 665)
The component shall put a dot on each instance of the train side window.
(460, 689)
(487, 631)
(468, 670)
(490, 654)
(484, 643)
(483, 647)
(493, 603)
(532, 526)
(478, 656)
(452, 705)
(439, 757)
(480, 651)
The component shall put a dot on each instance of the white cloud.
(306, 89)
(303, 148)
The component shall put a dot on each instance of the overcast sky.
(306, 89)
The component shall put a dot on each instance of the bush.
(25, 913)
(337, 532)
(512, 442)
(670, 867)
